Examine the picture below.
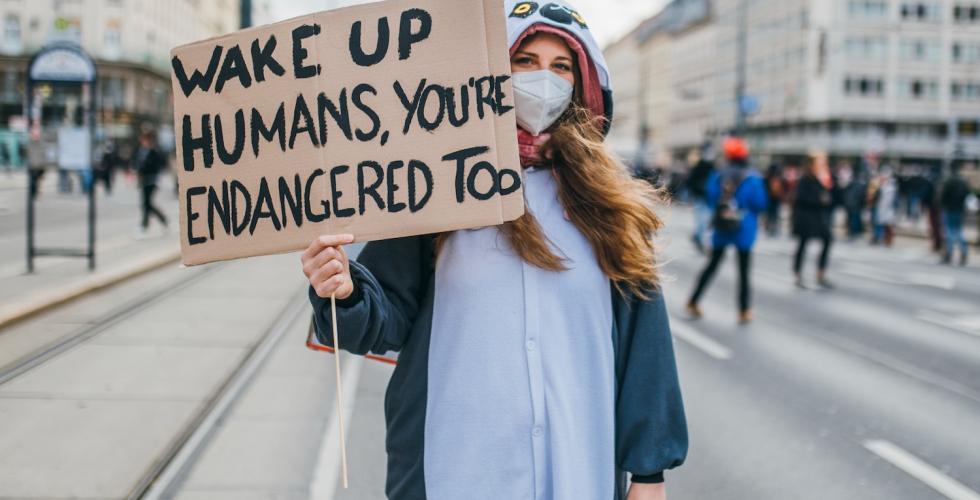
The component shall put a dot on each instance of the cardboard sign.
(382, 120)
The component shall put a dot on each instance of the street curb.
(20, 310)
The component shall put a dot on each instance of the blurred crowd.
(868, 197)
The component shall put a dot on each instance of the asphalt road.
(869, 391)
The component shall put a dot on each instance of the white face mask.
(540, 98)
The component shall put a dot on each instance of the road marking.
(699, 340)
(918, 279)
(898, 365)
(969, 325)
(327, 470)
(913, 466)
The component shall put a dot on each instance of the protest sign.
(381, 120)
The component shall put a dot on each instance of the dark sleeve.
(390, 280)
(651, 429)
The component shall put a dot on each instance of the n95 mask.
(540, 98)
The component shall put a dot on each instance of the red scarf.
(530, 148)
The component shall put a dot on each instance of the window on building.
(966, 13)
(921, 11)
(11, 29)
(918, 88)
(868, 9)
(965, 91)
(920, 49)
(866, 47)
(864, 86)
(966, 52)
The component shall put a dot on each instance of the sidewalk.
(120, 255)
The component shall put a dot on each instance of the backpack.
(728, 215)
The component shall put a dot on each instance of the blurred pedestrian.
(736, 196)
(954, 194)
(933, 207)
(812, 209)
(106, 168)
(149, 162)
(697, 189)
(885, 201)
(543, 344)
(776, 191)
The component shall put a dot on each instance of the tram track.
(172, 466)
(173, 461)
(47, 352)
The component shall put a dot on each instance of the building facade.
(130, 41)
(897, 78)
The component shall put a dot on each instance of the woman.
(736, 195)
(535, 357)
(811, 216)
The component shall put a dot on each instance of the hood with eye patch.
(525, 17)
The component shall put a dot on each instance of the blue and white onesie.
(513, 383)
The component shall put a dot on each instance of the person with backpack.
(736, 195)
(955, 191)
(812, 208)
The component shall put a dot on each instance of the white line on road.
(699, 340)
(913, 466)
(327, 470)
(965, 326)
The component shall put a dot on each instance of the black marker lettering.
(219, 207)
(302, 111)
(293, 200)
(371, 190)
(264, 57)
(232, 157)
(189, 143)
(278, 128)
(460, 158)
(239, 226)
(411, 106)
(471, 181)
(198, 80)
(464, 105)
(356, 44)
(337, 193)
(192, 215)
(406, 37)
(340, 115)
(310, 216)
(414, 202)
(499, 95)
(264, 199)
(394, 206)
(375, 120)
(233, 67)
(300, 53)
(424, 122)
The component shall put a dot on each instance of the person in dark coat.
(812, 210)
(955, 191)
(149, 162)
(697, 188)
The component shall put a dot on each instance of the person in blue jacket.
(737, 195)
(535, 358)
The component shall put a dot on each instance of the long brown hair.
(613, 211)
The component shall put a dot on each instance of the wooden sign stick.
(340, 387)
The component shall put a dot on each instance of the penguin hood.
(526, 18)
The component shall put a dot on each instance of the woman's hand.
(325, 264)
(642, 491)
